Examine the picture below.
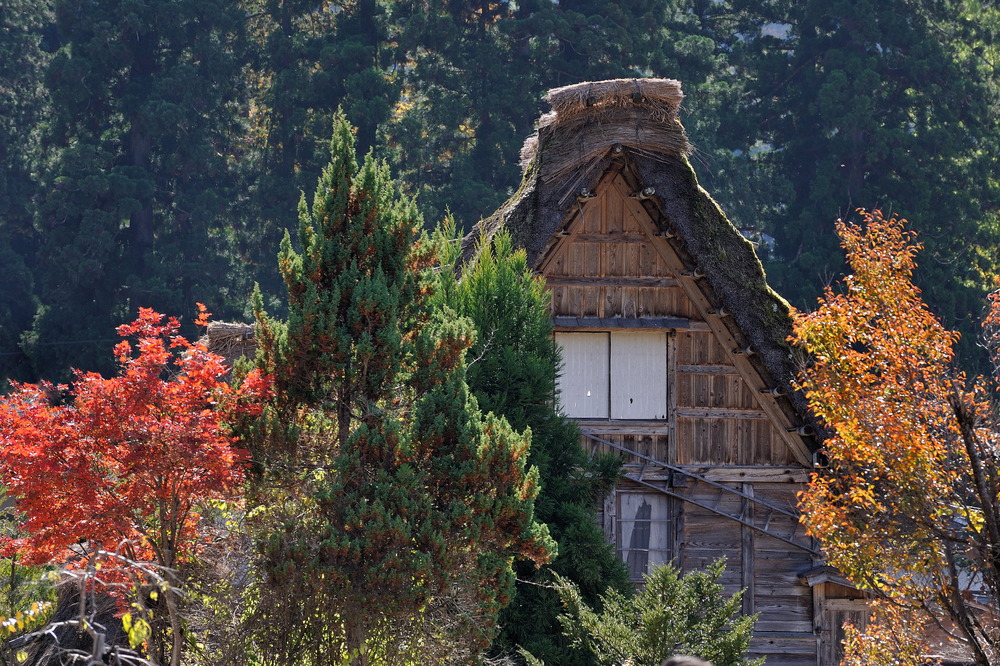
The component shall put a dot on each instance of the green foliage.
(672, 613)
(513, 375)
(400, 506)
(473, 75)
(134, 173)
(22, 105)
(305, 60)
(885, 104)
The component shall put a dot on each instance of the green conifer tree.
(23, 104)
(407, 505)
(513, 376)
(135, 176)
(886, 104)
(307, 59)
(673, 613)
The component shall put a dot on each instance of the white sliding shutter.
(584, 381)
(639, 375)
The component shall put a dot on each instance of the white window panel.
(644, 531)
(639, 375)
(584, 382)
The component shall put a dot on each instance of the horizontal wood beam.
(563, 322)
(755, 475)
(736, 474)
(627, 428)
(571, 281)
(846, 605)
(611, 238)
(708, 370)
(720, 413)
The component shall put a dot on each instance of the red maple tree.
(125, 464)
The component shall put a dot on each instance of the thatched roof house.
(632, 125)
(675, 354)
(231, 340)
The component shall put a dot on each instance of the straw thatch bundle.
(589, 119)
(231, 340)
(661, 96)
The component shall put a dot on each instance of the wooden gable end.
(611, 270)
(717, 475)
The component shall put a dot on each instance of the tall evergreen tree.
(135, 177)
(408, 505)
(22, 105)
(581, 40)
(698, 37)
(888, 104)
(470, 95)
(474, 74)
(307, 60)
(513, 376)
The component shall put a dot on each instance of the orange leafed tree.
(124, 465)
(909, 505)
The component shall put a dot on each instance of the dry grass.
(663, 95)
(231, 340)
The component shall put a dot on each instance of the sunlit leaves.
(909, 505)
(138, 630)
(26, 619)
(125, 460)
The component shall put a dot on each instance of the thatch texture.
(231, 340)
(588, 119)
(606, 125)
(661, 96)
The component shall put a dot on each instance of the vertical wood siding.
(688, 406)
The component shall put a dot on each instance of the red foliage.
(131, 457)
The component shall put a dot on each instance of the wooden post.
(748, 569)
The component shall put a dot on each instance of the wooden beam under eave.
(577, 281)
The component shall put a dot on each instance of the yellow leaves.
(26, 619)
(882, 381)
(403, 106)
(974, 516)
(138, 630)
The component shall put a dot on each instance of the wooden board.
(583, 385)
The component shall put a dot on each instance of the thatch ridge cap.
(591, 95)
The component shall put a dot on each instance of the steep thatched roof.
(633, 123)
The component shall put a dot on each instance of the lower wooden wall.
(766, 567)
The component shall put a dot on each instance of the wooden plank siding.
(609, 262)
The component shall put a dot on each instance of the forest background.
(152, 152)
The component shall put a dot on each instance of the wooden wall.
(608, 263)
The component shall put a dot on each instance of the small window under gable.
(617, 375)
(643, 531)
